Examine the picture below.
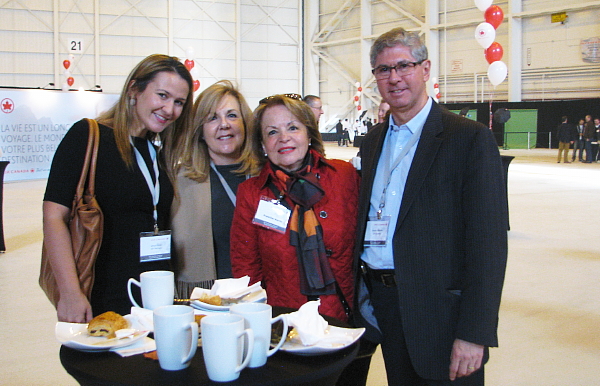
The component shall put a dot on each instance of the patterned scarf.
(306, 234)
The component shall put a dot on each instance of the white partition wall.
(304, 46)
(256, 43)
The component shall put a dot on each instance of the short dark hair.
(309, 99)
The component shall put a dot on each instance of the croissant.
(106, 324)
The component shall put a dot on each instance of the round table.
(107, 368)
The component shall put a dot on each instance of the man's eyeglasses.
(402, 68)
(297, 97)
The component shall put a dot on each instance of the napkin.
(309, 325)
(225, 286)
(228, 288)
(139, 347)
(144, 317)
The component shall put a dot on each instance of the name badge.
(272, 215)
(377, 231)
(155, 246)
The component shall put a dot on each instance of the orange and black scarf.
(306, 234)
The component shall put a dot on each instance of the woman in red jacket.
(293, 226)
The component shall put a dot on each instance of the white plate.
(336, 339)
(254, 297)
(74, 335)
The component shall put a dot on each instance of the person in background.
(384, 107)
(315, 104)
(339, 130)
(597, 127)
(432, 242)
(132, 180)
(213, 164)
(566, 136)
(589, 136)
(579, 143)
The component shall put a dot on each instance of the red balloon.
(189, 64)
(436, 85)
(360, 89)
(356, 98)
(196, 85)
(70, 81)
(494, 52)
(67, 64)
(438, 95)
(494, 16)
(358, 107)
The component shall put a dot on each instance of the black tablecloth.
(106, 368)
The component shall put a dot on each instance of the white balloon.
(65, 87)
(497, 72)
(357, 84)
(67, 73)
(195, 72)
(483, 4)
(189, 53)
(485, 34)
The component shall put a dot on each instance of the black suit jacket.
(450, 243)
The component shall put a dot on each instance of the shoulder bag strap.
(95, 134)
(86, 167)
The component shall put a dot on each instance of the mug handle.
(129, 282)
(283, 336)
(193, 326)
(250, 336)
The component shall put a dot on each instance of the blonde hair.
(193, 154)
(299, 109)
(120, 116)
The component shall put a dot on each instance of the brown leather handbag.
(86, 225)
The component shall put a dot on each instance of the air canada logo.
(7, 105)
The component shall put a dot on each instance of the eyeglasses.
(297, 97)
(402, 68)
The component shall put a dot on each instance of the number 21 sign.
(75, 45)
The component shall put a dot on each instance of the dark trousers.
(398, 365)
(578, 145)
(588, 151)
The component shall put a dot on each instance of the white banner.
(33, 122)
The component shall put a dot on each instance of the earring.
(132, 102)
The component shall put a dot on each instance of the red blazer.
(266, 255)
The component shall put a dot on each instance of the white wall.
(253, 42)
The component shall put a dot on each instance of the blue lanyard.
(388, 170)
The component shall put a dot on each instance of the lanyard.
(388, 170)
(226, 186)
(154, 188)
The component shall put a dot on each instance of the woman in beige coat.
(213, 164)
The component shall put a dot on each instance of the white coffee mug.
(158, 289)
(223, 346)
(176, 336)
(259, 317)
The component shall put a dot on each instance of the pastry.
(106, 324)
(215, 300)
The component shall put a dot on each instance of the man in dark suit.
(432, 221)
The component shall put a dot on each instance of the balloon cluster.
(357, 96)
(190, 65)
(436, 89)
(69, 80)
(485, 34)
